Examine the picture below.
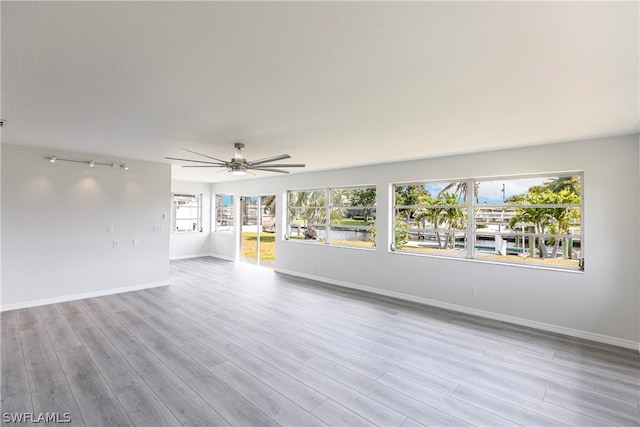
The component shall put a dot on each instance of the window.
(339, 216)
(224, 212)
(534, 220)
(187, 213)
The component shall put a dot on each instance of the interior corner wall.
(192, 245)
(602, 303)
(55, 218)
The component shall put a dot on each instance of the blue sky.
(491, 191)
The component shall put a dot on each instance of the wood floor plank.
(12, 366)
(337, 415)
(28, 318)
(61, 401)
(356, 401)
(60, 331)
(75, 315)
(268, 400)
(571, 374)
(231, 344)
(94, 397)
(43, 369)
(112, 364)
(590, 404)
(145, 408)
(185, 404)
(438, 407)
(14, 406)
(294, 390)
(223, 399)
(124, 341)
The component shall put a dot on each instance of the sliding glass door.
(258, 230)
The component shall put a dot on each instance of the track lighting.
(91, 163)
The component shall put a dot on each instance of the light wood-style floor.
(241, 345)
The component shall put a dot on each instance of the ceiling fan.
(238, 165)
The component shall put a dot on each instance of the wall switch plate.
(109, 228)
(158, 227)
(136, 243)
(116, 243)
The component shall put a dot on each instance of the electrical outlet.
(473, 291)
(116, 244)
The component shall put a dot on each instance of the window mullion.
(471, 229)
(327, 206)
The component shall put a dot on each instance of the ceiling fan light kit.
(238, 165)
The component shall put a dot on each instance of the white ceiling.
(333, 84)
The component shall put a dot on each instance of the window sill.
(331, 245)
(484, 261)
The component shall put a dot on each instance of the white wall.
(191, 245)
(54, 226)
(601, 303)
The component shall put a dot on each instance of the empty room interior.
(320, 213)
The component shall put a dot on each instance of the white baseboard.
(175, 258)
(606, 339)
(84, 295)
(224, 257)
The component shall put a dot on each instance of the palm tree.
(269, 205)
(440, 214)
(461, 189)
(570, 183)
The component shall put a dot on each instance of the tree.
(440, 213)
(269, 205)
(401, 234)
(313, 209)
(364, 197)
(548, 220)
(409, 195)
(461, 189)
(570, 183)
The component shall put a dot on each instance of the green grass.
(267, 246)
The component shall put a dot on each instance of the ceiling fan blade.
(270, 159)
(203, 155)
(270, 170)
(203, 166)
(284, 165)
(196, 161)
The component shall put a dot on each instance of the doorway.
(258, 234)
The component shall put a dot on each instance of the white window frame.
(224, 213)
(190, 201)
(471, 230)
(328, 206)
